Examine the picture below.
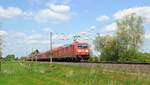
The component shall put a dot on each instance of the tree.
(10, 57)
(125, 44)
(130, 35)
(106, 45)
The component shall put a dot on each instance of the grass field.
(32, 73)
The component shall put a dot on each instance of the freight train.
(76, 51)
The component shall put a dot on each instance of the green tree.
(106, 45)
(130, 35)
(125, 44)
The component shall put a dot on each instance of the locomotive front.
(83, 51)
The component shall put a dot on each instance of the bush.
(10, 57)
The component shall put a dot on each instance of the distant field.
(32, 73)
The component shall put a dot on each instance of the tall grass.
(32, 73)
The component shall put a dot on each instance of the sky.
(26, 24)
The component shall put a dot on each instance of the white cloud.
(28, 14)
(35, 39)
(102, 18)
(3, 33)
(47, 29)
(105, 34)
(32, 41)
(141, 11)
(57, 45)
(43, 39)
(18, 35)
(35, 36)
(147, 36)
(11, 12)
(110, 28)
(60, 8)
(62, 37)
(93, 27)
(55, 13)
(34, 2)
(83, 33)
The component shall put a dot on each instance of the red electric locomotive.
(74, 52)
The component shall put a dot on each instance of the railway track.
(135, 63)
(103, 62)
(131, 67)
(138, 63)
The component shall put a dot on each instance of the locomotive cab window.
(82, 45)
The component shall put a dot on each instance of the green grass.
(32, 73)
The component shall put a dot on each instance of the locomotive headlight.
(79, 50)
(86, 51)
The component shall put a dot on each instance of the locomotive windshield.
(82, 45)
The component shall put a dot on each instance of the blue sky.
(25, 24)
